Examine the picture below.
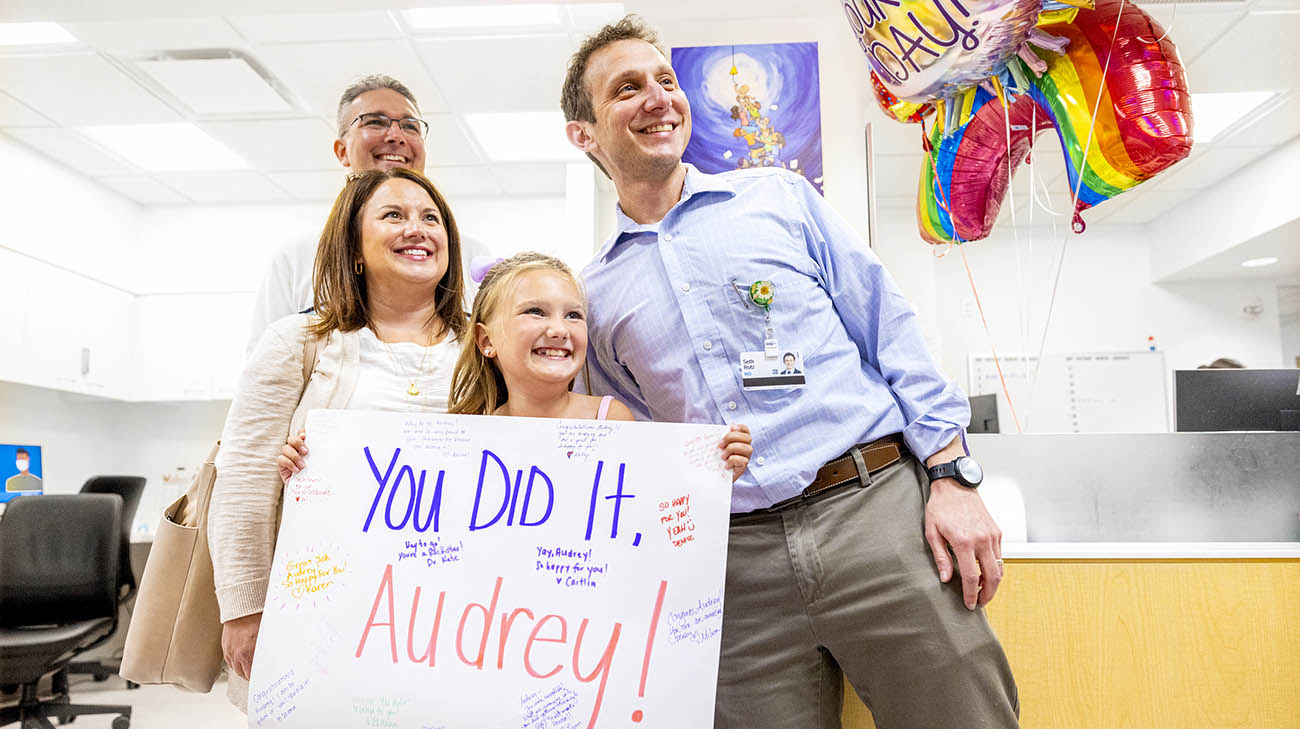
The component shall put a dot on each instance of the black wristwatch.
(967, 472)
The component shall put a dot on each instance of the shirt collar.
(696, 183)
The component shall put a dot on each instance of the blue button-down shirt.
(667, 328)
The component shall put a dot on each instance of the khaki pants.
(844, 584)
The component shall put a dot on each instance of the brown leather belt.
(857, 465)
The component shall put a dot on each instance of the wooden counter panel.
(1158, 644)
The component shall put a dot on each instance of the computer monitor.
(20, 470)
(983, 414)
(1236, 399)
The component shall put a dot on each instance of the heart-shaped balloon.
(1117, 98)
(928, 49)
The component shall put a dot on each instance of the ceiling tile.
(1193, 29)
(73, 150)
(531, 179)
(1278, 126)
(1208, 167)
(1148, 205)
(499, 80)
(282, 145)
(81, 90)
(447, 144)
(464, 181)
(13, 113)
(224, 187)
(320, 185)
(155, 34)
(1257, 54)
(587, 18)
(144, 190)
(316, 27)
(319, 72)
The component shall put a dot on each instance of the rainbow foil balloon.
(1115, 93)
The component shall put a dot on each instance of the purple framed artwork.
(756, 105)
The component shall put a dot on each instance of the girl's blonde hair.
(477, 386)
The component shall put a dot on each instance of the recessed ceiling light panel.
(525, 136)
(1259, 262)
(34, 34)
(1212, 114)
(469, 17)
(166, 147)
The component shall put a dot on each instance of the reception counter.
(1159, 586)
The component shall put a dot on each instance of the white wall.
(1105, 302)
(57, 216)
(1291, 342)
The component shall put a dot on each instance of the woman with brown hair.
(386, 332)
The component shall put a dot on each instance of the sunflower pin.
(761, 292)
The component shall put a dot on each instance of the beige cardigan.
(269, 404)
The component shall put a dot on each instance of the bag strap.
(310, 353)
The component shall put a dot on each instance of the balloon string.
(1074, 200)
(1173, 16)
(997, 362)
(1015, 230)
(942, 200)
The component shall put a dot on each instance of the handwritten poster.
(446, 572)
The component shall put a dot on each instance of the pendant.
(413, 391)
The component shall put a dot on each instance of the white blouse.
(388, 370)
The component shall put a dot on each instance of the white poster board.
(448, 572)
(1081, 392)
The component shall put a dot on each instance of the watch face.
(970, 470)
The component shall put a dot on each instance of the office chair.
(130, 489)
(58, 597)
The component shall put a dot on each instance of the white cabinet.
(107, 333)
(14, 269)
(76, 333)
(68, 332)
(189, 346)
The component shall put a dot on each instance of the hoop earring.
(358, 267)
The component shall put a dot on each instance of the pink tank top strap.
(604, 407)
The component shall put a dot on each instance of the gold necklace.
(411, 389)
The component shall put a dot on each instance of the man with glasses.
(379, 128)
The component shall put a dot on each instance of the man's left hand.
(955, 518)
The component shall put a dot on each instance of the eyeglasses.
(377, 123)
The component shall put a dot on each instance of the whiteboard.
(1085, 392)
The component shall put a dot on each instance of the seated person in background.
(1223, 363)
(389, 324)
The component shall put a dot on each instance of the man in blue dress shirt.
(843, 549)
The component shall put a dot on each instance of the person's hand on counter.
(958, 527)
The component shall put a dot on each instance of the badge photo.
(761, 372)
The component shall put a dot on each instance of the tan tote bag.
(175, 632)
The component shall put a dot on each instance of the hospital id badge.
(761, 372)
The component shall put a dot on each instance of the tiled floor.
(153, 707)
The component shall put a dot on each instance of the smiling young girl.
(529, 342)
